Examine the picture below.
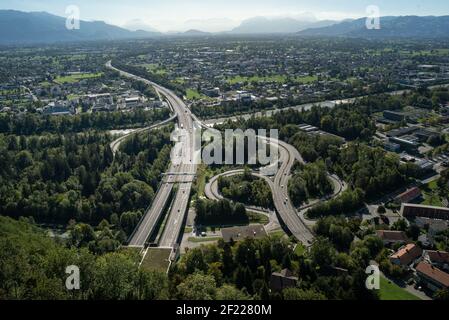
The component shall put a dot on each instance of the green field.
(391, 291)
(300, 249)
(193, 94)
(277, 233)
(179, 80)
(155, 68)
(436, 52)
(156, 259)
(203, 172)
(257, 218)
(77, 77)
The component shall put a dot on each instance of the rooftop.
(388, 235)
(437, 256)
(255, 231)
(409, 195)
(407, 254)
(433, 273)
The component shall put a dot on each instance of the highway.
(115, 145)
(173, 226)
(212, 193)
(279, 189)
(286, 210)
(180, 203)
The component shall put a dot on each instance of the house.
(406, 255)
(425, 165)
(434, 226)
(392, 147)
(409, 195)
(212, 92)
(424, 135)
(132, 102)
(244, 96)
(394, 116)
(307, 128)
(392, 237)
(437, 227)
(98, 99)
(433, 278)
(282, 280)
(401, 131)
(255, 231)
(408, 142)
(58, 108)
(411, 211)
(156, 104)
(439, 259)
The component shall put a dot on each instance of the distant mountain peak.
(195, 31)
(390, 27)
(260, 24)
(17, 27)
(139, 25)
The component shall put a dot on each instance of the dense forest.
(309, 182)
(343, 120)
(32, 123)
(246, 189)
(59, 178)
(374, 170)
(223, 212)
(33, 267)
(243, 269)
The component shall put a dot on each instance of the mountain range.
(390, 27)
(18, 27)
(40, 27)
(258, 25)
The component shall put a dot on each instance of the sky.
(221, 15)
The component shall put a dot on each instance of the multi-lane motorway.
(179, 206)
(188, 169)
(182, 174)
(115, 145)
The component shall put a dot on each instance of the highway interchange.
(182, 174)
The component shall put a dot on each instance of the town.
(98, 170)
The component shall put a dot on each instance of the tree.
(82, 234)
(230, 293)
(197, 287)
(298, 294)
(264, 293)
(194, 261)
(227, 260)
(400, 225)
(115, 277)
(152, 286)
(442, 295)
